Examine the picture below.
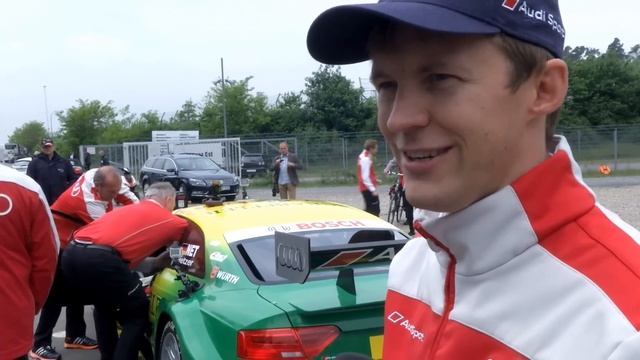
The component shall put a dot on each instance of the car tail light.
(289, 343)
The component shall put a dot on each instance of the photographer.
(285, 177)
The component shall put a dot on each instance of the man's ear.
(551, 87)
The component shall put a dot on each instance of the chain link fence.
(615, 146)
(332, 156)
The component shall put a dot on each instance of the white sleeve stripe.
(15, 177)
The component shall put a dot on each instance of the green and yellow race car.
(274, 280)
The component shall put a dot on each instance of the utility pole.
(224, 99)
(46, 111)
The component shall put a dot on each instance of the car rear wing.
(295, 259)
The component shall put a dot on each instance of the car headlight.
(236, 180)
(197, 182)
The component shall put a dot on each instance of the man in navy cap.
(51, 171)
(525, 263)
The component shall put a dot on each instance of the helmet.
(126, 171)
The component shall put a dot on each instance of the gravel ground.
(619, 194)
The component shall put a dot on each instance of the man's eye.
(436, 78)
(385, 85)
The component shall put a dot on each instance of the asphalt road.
(617, 193)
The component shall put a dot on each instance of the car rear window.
(257, 255)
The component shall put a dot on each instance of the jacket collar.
(496, 229)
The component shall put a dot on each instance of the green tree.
(29, 135)
(289, 114)
(602, 91)
(246, 113)
(333, 103)
(616, 49)
(187, 118)
(85, 122)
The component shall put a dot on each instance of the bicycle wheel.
(390, 212)
(396, 210)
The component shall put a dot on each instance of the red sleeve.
(43, 249)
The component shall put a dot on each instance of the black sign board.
(292, 257)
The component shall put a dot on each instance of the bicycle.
(396, 205)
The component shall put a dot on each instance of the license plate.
(251, 170)
(375, 343)
(225, 188)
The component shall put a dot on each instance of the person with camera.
(285, 167)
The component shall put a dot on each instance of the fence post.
(615, 149)
(344, 154)
(579, 143)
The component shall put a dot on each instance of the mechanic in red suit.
(29, 247)
(98, 263)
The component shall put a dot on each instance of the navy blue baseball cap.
(340, 34)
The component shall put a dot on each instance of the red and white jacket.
(29, 248)
(366, 173)
(537, 270)
(80, 204)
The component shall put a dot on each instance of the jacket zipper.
(449, 289)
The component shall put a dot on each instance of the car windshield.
(255, 158)
(257, 255)
(196, 163)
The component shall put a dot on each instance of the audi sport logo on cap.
(510, 4)
(537, 11)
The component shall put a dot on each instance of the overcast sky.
(154, 55)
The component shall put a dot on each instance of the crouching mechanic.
(90, 197)
(526, 263)
(98, 262)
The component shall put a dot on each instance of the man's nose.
(409, 111)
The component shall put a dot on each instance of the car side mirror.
(171, 170)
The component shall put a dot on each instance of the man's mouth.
(417, 155)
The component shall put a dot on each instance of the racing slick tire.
(169, 348)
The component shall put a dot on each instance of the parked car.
(22, 164)
(253, 164)
(225, 298)
(197, 176)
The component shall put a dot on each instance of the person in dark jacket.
(87, 160)
(51, 171)
(104, 160)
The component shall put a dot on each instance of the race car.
(274, 280)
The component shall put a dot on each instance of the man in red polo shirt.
(29, 247)
(90, 197)
(99, 260)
